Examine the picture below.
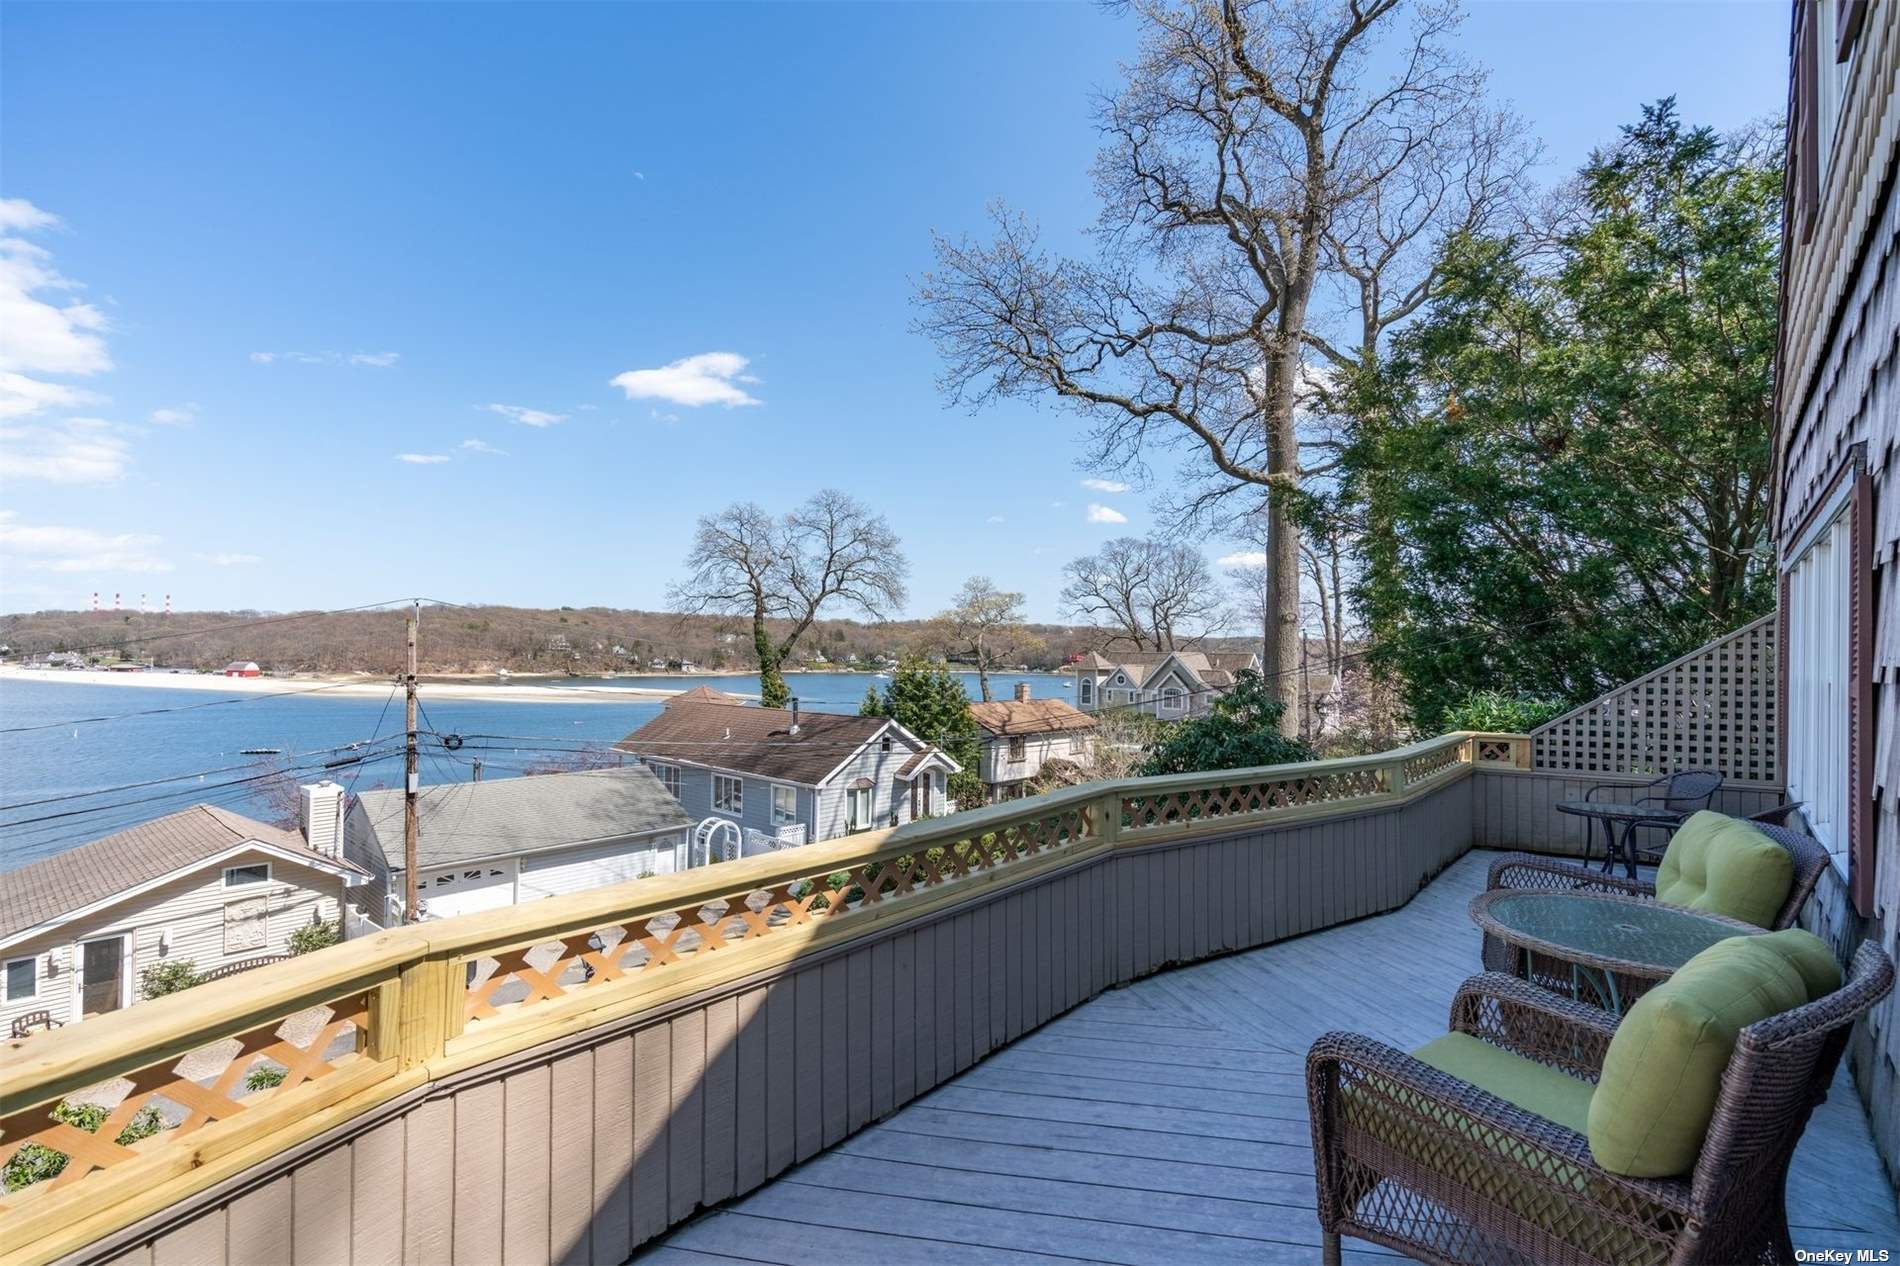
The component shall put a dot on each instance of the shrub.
(170, 976)
(1241, 731)
(315, 936)
(1499, 713)
(36, 1162)
(263, 1077)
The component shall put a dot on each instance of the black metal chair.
(1674, 797)
(41, 1020)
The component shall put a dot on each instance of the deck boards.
(1167, 1121)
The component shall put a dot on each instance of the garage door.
(445, 893)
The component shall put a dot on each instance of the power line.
(196, 773)
(183, 707)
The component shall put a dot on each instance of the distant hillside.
(584, 640)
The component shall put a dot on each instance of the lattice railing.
(1161, 809)
(1714, 708)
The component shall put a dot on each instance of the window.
(857, 808)
(23, 978)
(1018, 748)
(784, 805)
(669, 776)
(728, 795)
(885, 745)
(1173, 699)
(1085, 692)
(1819, 585)
(1830, 81)
(244, 876)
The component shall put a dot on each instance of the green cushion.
(1810, 957)
(1723, 865)
(1663, 1071)
(1550, 1093)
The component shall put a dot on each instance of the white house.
(1020, 734)
(1172, 685)
(481, 845)
(204, 886)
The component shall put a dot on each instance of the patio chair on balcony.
(1684, 877)
(1540, 1130)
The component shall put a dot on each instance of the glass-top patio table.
(1613, 816)
(1612, 946)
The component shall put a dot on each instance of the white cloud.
(1105, 485)
(1244, 558)
(668, 418)
(230, 560)
(42, 330)
(1105, 514)
(483, 446)
(526, 416)
(75, 451)
(996, 518)
(263, 358)
(71, 549)
(376, 360)
(422, 459)
(183, 415)
(22, 397)
(709, 378)
(1057, 505)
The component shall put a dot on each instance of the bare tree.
(830, 550)
(1250, 162)
(986, 624)
(1151, 594)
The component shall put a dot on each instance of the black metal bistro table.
(1612, 815)
(1600, 947)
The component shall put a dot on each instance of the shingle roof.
(464, 821)
(705, 694)
(753, 740)
(1011, 717)
(90, 873)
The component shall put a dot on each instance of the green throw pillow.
(1663, 1071)
(1810, 957)
(1723, 865)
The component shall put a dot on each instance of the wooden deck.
(1166, 1121)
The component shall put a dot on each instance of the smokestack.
(1022, 692)
(321, 817)
(794, 728)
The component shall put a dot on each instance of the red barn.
(243, 668)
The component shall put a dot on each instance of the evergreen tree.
(928, 700)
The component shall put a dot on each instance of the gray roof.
(467, 821)
(91, 873)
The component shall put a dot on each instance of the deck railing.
(240, 1070)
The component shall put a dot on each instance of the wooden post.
(1108, 817)
(411, 778)
(431, 1002)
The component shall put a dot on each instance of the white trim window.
(784, 805)
(23, 978)
(1173, 699)
(728, 794)
(1085, 692)
(1830, 82)
(1819, 592)
(857, 808)
(669, 776)
(247, 875)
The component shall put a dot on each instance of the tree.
(928, 700)
(1151, 594)
(986, 625)
(1562, 467)
(1252, 166)
(1242, 730)
(830, 550)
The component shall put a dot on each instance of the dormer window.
(885, 744)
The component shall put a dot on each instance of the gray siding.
(881, 768)
(589, 1146)
(756, 801)
(1517, 809)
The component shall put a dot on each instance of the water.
(82, 760)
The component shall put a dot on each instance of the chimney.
(321, 817)
(793, 731)
(1022, 692)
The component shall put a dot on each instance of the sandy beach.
(358, 684)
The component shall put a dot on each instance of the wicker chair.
(1409, 1157)
(1527, 871)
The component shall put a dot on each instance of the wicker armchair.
(1528, 871)
(1409, 1157)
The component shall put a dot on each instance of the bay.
(69, 782)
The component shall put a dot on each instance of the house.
(1172, 685)
(1835, 480)
(204, 886)
(782, 776)
(1020, 733)
(480, 845)
(243, 668)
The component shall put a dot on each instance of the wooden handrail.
(569, 963)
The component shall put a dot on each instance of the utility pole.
(411, 777)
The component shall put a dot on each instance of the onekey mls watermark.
(1843, 1256)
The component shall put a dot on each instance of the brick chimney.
(1022, 692)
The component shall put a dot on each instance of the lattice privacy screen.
(1711, 709)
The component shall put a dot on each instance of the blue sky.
(258, 253)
